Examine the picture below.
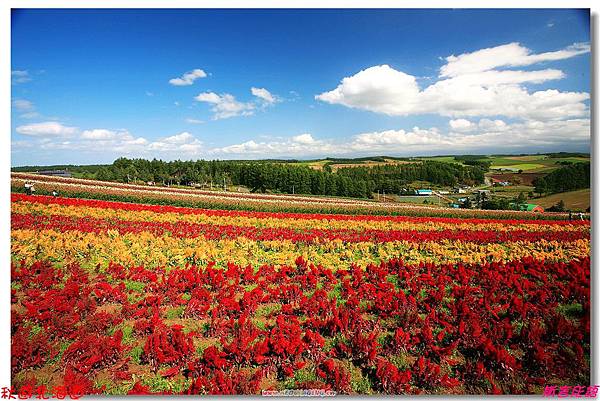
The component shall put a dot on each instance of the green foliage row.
(567, 178)
(263, 176)
(394, 178)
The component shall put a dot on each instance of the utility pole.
(293, 189)
(224, 185)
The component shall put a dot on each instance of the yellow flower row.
(90, 249)
(21, 207)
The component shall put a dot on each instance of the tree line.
(395, 178)
(567, 178)
(263, 176)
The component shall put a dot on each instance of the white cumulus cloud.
(299, 145)
(49, 128)
(462, 125)
(468, 86)
(225, 105)
(493, 125)
(98, 134)
(509, 55)
(183, 142)
(101, 141)
(306, 139)
(120, 141)
(463, 136)
(188, 78)
(264, 95)
(395, 139)
(483, 136)
(380, 89)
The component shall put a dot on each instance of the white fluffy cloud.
(493, 125)
(306, 139)
(51, 136)
(299, 145)
(380, 89)
(397, 139)
(225, 105)
(264, 95)
(183, 142)
(509, 55)
(98, 134)
(188, 78)
(469, 86)
(96, 139)
(178, 139)
(461, 125)
(48, 128)
(118, 142)
(485, 135)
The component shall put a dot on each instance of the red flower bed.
(41, 199)
(391, 328)
(214, 232)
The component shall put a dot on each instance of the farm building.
(534, 208)
(529, 207)
(502, 183)
(55, 173)
(512, 169)
(423, 192)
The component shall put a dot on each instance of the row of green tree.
(502, 203)
(261, 176)
(395, 178)
(567, 178)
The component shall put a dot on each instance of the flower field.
(122, 297)
(82, 188)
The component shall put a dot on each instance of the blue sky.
(89, 86)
